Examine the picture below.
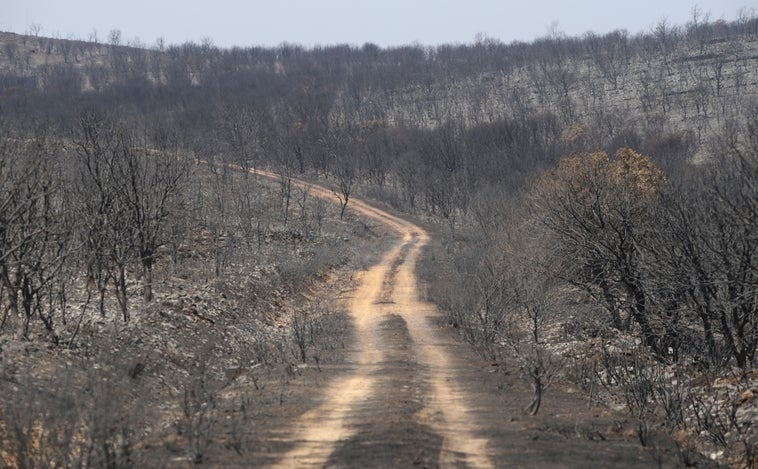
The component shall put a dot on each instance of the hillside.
(698, 75)
(592, 212)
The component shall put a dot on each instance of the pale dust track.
(320, 431)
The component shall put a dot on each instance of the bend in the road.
(389, 289)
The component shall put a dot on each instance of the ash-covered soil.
(341, 366)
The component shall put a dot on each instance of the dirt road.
(413, 395)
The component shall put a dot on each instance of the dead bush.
(82, 415)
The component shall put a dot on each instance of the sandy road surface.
(396, 357)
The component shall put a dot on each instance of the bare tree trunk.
(121, 293)
(147, 271)
(534, 406)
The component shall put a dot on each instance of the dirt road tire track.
(398, 371)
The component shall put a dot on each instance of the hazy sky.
(324, 22)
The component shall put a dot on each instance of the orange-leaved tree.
(600, 210)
